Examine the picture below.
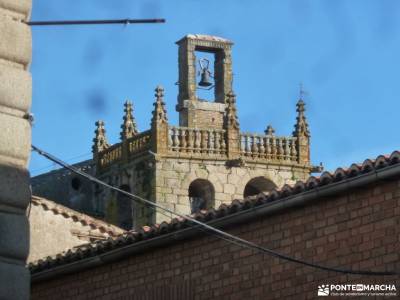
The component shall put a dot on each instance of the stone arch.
(258, 185)
(125, 209)
(201, 195)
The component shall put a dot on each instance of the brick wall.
(359, 230)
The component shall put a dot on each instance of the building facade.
(55, 228)
(347, 219)
(204, 162)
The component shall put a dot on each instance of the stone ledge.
(204, 105)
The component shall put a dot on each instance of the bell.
(205, 78)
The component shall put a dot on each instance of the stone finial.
(129, 128)
(231, 119)
(301, 126)
(159, 112)
(270, 130)
(100, 141)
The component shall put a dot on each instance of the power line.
(219, 233)
(67, 160)
(94, 22)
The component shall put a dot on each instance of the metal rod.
(94, 22)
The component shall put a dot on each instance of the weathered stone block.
(229, 189)
(201, 173)
(20, 6)
(181, 167)
(14, 230)
(14, 187)
(15, 41)
(15, 137)
(173, 182)
(234, 179)
(183, 209)
(15, 281)
(15, 88)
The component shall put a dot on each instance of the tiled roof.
(150, 232)
(85, 220)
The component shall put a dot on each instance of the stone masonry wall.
(138, 174)
(358, 230)
(173, 177)
(15, 141)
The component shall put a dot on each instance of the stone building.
(347, 219)
(202, 163)
(55, 228)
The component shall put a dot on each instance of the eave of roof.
(328, 184)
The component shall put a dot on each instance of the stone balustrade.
(139, 143)
(110, 155)
(132, 146)
(194, 140)
(268, 147)
(199, 142)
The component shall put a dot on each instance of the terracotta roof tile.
(148, 232)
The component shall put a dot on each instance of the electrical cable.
(219, 233)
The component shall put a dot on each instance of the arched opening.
(201, 195)
(124, 209)
(76, 183)
(258, 185)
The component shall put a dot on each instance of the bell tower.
(193, 111)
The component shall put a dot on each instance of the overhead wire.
(209, 229)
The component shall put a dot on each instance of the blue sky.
(346, 54)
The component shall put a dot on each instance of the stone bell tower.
(203, 162)
(193, 111)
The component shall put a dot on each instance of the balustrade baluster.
(204, 141)
(217, 145)
(294, 149)
(190, 140)
(262, 147)
(170, 144)
(273, 148)
(223, 144)
(268, 147)
(176, 138)
(247, 145)
(280, 148)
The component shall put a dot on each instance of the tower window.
(258, 185)
(205, 76)
(76, 183)
(201, 195)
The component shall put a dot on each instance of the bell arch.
(258, 185)
(201, 195)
